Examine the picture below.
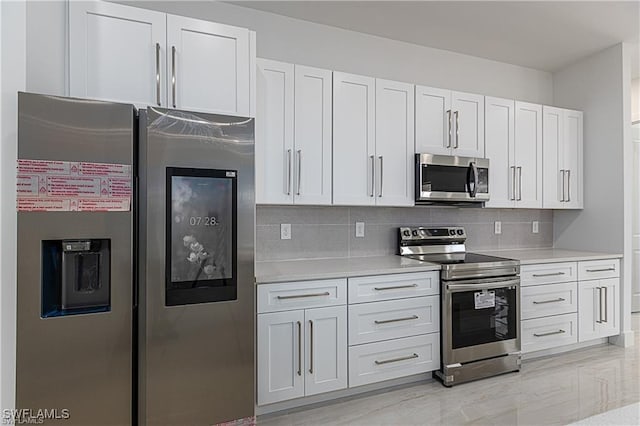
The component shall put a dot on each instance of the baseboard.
(317, 400)
(624, 339)
(563, 349)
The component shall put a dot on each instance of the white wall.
(302, 42)
(600, 86)
(12, 79)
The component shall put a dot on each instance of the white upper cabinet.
(208, 66)
(128, 54)
(514, 149)
(117, 53)
(293, 134)
(563, 155)
(394, 143)
(312, 136)
(274, 132)
(353, 139)
(468, 119)
(528, 155)
(449, 123)
(500, 147)
(434, 121)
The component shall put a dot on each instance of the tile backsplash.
(329, 232)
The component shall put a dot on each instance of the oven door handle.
(482, 285)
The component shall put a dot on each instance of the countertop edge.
(275, 279)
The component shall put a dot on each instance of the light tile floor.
(554, 390)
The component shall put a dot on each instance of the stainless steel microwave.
(445, 179)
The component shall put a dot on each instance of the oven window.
(472, 324)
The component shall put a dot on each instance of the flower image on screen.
(201, 230)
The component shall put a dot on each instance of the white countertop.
(549, 255)
(315, 269)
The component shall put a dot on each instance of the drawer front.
(548, 299)
(393, 319)
(550, 332)
(547, 273)
(301, 295)
(598, 269)
(396, 286)
(375, 362)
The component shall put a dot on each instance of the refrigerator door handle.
(173, 74)
(158, 74)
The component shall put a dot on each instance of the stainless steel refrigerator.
(139, 313)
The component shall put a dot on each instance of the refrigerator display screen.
(201, 243)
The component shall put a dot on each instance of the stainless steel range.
(480, 298)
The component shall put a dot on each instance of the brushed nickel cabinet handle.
(396, 287)
(599, 290)
(299, 169)
(412, 317)
(300, 296)
(299, 348)
(601, 270)
(404, 358)
(563, 199)
(606, 308)
(513, 182)
(288, 183)
(568, 186)
(457, 114)
(381, 175)
(173, 75)
(559, 299)
(551, 333)
(450, 128)
(553, 274)
(373, 179)
(311, 347)
(158, 74)
(519, 183)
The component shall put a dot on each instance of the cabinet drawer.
(302, 294)
(373, 322)
(397, 286)
(375, 362)
(546, 273)
(550, 332)
(598, 269)
(549, 299)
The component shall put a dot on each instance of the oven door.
(481, 319)
(443, 178)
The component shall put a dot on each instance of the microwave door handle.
(474, 170)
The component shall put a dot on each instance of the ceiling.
(546, 35)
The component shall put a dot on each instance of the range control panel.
(447, 233)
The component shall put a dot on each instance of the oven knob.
(452, 232)
(460, 231)
(414, 233)
(406, 233)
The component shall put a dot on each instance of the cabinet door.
(468, 120)
(117, 53)
(394, 143)
(590, 310)
(313, 130)
(325, 349)
(434, 118)
(274, 132)
(499, 149)
(572, 156)
(528, 155)
(554, 191)
(208, 66)
(280, 356)
(610, 294)
(353, 139)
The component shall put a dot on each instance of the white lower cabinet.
(549, 332)
(301, 353)
(599, 308)
(375, 362)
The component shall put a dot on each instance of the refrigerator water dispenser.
(76, 276)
